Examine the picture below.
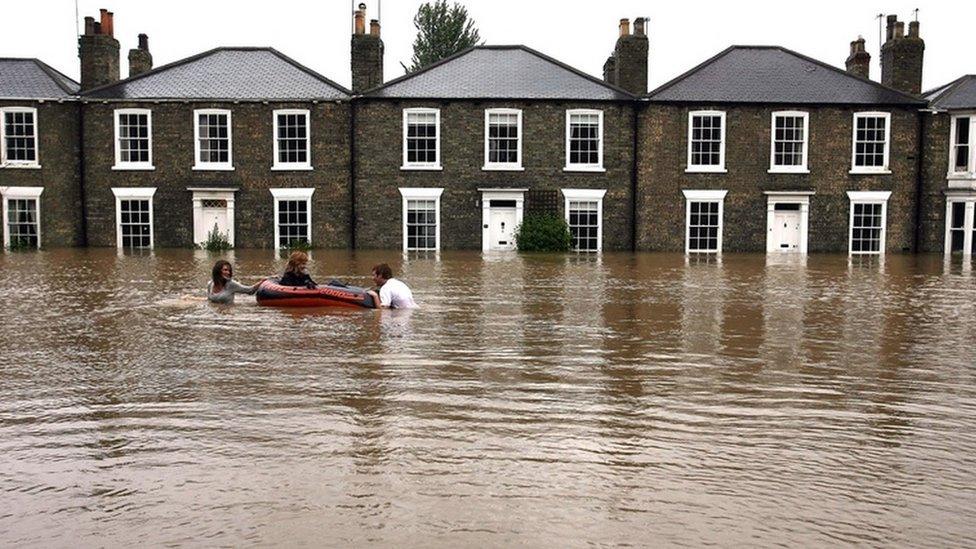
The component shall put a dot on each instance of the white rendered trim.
(277, 165)
(436, 164)
(706, 168)
(20, 193)
(868, 197)
(584, 167)
(775, 168)
(704, 196)
(969, 174)
(422, 193)
(217, 166)
(119, 165)
(133, 193)
(279, 194)
(4, 161)
(885, 169)
(587, 195)
(504, 166)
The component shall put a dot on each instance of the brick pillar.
(627, 66)
(367, 53)
(901, 57)
(140, 60)
(99, 52)
(859, 62)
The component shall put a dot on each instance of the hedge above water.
(543, 233)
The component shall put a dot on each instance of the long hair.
(218, 278)
(295, 260)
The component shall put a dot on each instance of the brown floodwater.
(625, 399)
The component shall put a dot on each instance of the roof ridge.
(946, 91)
(689, 72)
(56, 77)
(577, 72)
(428, 68)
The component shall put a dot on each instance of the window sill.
(781, 170)
(584, 169)
(422, 168)
(961, 176)
(698, 169)
(490, 168)
(134, 167)
(869, 172)
(287, 168)
(214, 168)
(13, 166)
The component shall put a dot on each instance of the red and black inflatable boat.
(272, 294)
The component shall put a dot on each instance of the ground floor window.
(960, 225)
(292, 217)
(421, 218)
(134, 216)
(584, 214)
(21, 217)
(868, 221)
(703, 221)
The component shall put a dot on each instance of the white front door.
(214, 213)
(785, 232)
(213, 209)
(501, 214)
(501, 228)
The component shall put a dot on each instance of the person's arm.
(239, 288)
(376, 299)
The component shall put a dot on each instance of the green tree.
(442, 31)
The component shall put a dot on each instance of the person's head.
(382, 273)
(222, 272)
(297, 263)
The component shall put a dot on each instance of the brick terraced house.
(757, 149)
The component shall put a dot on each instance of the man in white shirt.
(393, 294)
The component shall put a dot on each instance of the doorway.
(501, 215)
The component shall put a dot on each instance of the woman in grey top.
(222, 287)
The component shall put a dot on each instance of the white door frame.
(788, 197)
(487, 195)
(969, 221)
(211, 193)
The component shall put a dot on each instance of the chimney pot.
(143, 42)
(891, 26)
(639, 26)
(913, 29)
(360, 19)
(625, 27)
(89, 25)
(374, 27)
(103, 21)
(899, 30)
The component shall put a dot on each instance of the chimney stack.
(140, 60)
(859, 62)
(627, 65)
(901, 57)
(99, 52)
(367, 53)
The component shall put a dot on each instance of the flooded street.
(560, 401)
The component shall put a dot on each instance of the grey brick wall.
(662, 160)
(935, 166)
(379, 158)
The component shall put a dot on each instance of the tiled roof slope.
(33, 79)
(958, 94)
(226, 73)
(500, 72)
(772, 74)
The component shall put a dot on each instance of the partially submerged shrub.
(216, 241)
(543, 233)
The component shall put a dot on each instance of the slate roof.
(958, 94)
(33, 79)
(226, 73)
(772, 74)
(499, 72)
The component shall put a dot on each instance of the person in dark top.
(296, 272)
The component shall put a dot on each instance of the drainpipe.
(352, 173)
(919, 180)
(81, 174)
(633, 180)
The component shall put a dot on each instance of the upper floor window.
(788, 152)
(212, 139)
(18, 137)
(871, 138)
(584, 140)
(133, 139)
(706, 141)
(421, 139)
(291, 140)
(962, 157)
(503, 139)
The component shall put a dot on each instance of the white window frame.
(436, 164)
(504, 166)
(4, 161)
(277, 165)
(218, 166)
(775, 168)
(968, 225)
(292, 194)
(697, 168)
(20, 193)
(868, 197)
(704, 196)
(119, 165)
(587, 195)
(133, 193)
(598, 167)
(422, 193)
(886, 168)
(970, 171)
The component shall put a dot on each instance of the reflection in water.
(532, 399)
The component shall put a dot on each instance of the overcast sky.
(578, 32)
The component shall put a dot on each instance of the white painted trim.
(288, 166)
(200, 233)
(970, 173)
(487, 195)
(436, 165)
(280, 194)
(29, 164)
(969, 220)
(588, 195)
(20, 193)
(119, 165)
(868, 197)
(704, 196)
(218, 166)
(422, 193)
(855, 169)
(133, 193)
(598, 167)
(788, 197)
(504, 166)
(697, 168)
(775, 168)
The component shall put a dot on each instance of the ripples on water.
(540, 400)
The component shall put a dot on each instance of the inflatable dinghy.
(333, 294)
